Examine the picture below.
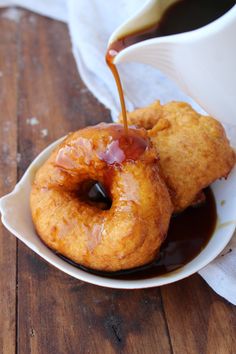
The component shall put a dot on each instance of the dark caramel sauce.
(124, 147)
(109, 59)
(188, 234)
(188, 15)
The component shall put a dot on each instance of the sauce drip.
(109, 59)
(188, 234)
(181, 16)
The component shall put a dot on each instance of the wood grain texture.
(8, 168)
(198, 319)
(57, 313)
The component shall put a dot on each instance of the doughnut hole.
(94, 193)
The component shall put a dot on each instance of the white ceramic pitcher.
(202, 62)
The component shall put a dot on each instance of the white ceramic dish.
(16, 217)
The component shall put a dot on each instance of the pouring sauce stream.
(111, 53)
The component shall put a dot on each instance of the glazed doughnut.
(130, 232)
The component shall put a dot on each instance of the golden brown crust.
(193, 149)
(127, 235)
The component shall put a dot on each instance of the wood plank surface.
(8, 168)
(198, 319)
(57, 313)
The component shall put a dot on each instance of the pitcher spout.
(146, 53)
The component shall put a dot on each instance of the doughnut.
(193, 149)
(126, 234)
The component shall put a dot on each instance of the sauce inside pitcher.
(181, 16)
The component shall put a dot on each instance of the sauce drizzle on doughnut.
(121, 147)
(114, 148)
(124, 147)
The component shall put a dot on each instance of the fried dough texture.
(130, 232)
(193, 149)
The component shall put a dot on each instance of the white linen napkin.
(91, 24)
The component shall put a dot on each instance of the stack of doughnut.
(161, 166)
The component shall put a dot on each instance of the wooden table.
(43, 310)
